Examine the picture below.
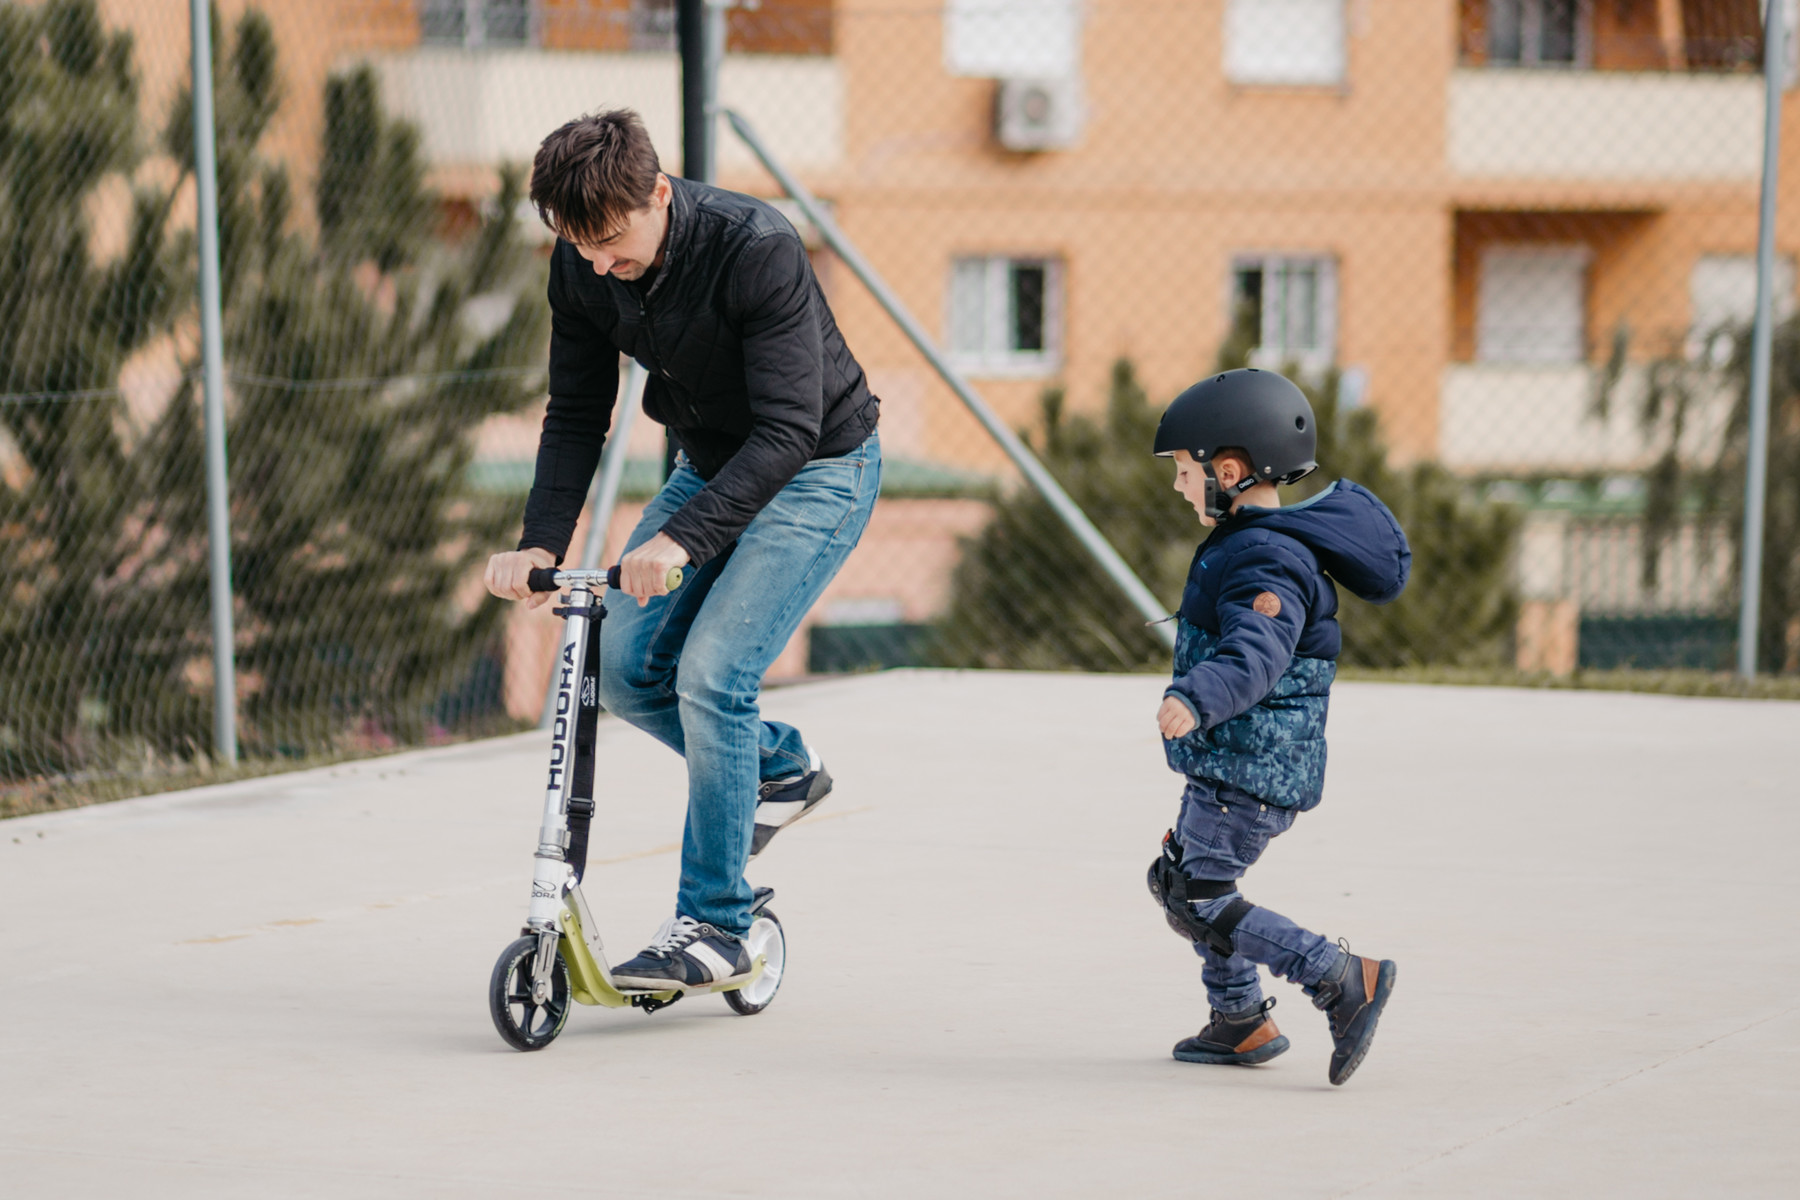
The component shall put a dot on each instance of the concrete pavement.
(276, 988)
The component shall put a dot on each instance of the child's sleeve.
(1262, 608)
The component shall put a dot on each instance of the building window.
(1534, 33)
(1722, 298)
(1291, 42)
(1006, 314)
(1532, 304)
(475, 22)
(1291, 304)
(1013, 39)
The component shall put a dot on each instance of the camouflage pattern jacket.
(1258, 641)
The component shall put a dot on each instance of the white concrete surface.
(277, 988)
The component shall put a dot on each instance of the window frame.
(1531, 18)
(1233, 68)
(985, 39)
(1709, 339)
(474, 34)
(1315, 359)
(992, 359)
(1581, 252)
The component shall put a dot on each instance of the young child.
(1244, 719)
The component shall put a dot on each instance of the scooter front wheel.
(767, 939)
(522, 1021)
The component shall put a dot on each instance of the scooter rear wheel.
(525, 1024)
(767, 939)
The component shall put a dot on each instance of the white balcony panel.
(795, 101)
(1508, 417)
(1605, 125)
(486, 107)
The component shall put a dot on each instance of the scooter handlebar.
(549, 579)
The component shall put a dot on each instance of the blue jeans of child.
(1222, 831)
(687, 668)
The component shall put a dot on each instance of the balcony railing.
(482, 109)
(1506, 418)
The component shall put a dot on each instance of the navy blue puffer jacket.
(1258, 642)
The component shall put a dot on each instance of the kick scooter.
(558, 956)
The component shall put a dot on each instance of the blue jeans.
(1222, 831)
(687, 667)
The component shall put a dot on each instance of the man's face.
(636, 246)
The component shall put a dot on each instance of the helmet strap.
(1220, 498)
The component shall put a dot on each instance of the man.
(777, 473)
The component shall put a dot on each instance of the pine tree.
(358, 381)
(361, 354)
(76, 490)
(1027, 596)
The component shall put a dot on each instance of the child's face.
(1190, 481)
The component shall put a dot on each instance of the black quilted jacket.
(747, 369)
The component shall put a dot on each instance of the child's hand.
(1174, 718)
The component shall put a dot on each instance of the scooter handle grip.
(672, 581)
(543, 579)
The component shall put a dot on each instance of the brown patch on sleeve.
(1267, 603)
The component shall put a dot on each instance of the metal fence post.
(1034, 471)
(697, 24)
(218, 510)
(1756, 466)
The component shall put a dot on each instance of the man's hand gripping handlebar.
(654, 569)
(549, 579)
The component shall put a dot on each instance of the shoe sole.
(631, 986)
(641, 983)
(1261, 1054)
(1384, 987)
(815, 796)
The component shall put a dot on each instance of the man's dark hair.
(593, 172)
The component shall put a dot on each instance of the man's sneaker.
(1353, 998)
(686, 954)
(781, 802)
(1240, 1039)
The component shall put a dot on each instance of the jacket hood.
(1355, 537)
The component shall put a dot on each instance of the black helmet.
(1261, 412)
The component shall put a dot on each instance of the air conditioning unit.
(1039, 114)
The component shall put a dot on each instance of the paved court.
(276, 988)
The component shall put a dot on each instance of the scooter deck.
(590, 982)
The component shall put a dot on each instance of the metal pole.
(697, 26)
(1756, 466)
(606, 494)
(700, 36)
(218, 511)
(1034, 471)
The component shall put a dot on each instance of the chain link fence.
(1507, 246)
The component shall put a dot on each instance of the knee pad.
(1172, 889)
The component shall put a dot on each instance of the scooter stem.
(551, 869)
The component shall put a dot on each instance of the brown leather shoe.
(1237, 1039)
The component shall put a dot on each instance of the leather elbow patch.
(1267, 603)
